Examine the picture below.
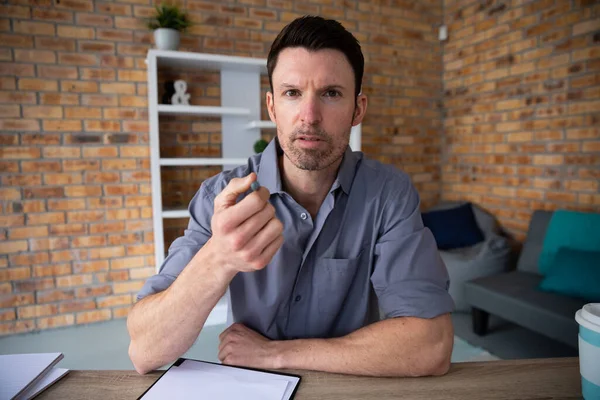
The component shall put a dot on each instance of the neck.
(308, 188)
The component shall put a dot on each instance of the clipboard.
(189, 378)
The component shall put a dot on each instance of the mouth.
(308, 138)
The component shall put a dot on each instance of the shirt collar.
(270, 178)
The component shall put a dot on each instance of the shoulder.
(385, 179)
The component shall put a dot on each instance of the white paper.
(200, 380)
(19, 370)
(52, 376)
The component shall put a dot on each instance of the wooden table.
(509, 379)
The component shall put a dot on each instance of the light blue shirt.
(367, 250)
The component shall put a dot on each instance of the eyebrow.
(326, 87)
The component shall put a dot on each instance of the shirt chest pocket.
(333, 281)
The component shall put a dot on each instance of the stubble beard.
(313, 159)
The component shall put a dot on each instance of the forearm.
(164, 326)
(394, 347)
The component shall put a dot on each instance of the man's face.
(314, 106)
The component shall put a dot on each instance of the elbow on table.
(140, 366)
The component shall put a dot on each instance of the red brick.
(43, 244)
(98, 74)
(17, 299)
(67, 229)
(100, 152)
(79, 86)
(46, 218)
(37, 311)
(13, 246)
(43, 192)
(74, 280)
(80, 165)
(93, 316)
(75, 32)
(127, 287)
(77, 59)
(36, 56)
(70, 204)
(127, 263)
(56, 98)
(105, 202)
(51, 71)
(94, 291)
(62, 125)
(99, 100)
(50, 296)
(18, 125)
(27, 232)
(52, 270)
(33, 28)
(22, 180)
(90, 266)
(89, 241)
(55, 322)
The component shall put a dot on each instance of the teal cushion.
(574, 273)
(573, 229)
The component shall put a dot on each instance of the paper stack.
(23, 376)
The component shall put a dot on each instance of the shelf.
(176, 213)
(202, 161)
(168, 109)
(217, 62)
(261, 124)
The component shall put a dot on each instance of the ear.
(360, 110)
(271, 107)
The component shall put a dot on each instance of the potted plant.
(167, 23)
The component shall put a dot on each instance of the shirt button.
(298, 298)
(303, 216)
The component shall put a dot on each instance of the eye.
(291, 93)
(332, 93)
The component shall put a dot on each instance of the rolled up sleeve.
(409, 276)
(184, 248)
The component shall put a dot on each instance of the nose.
(310, 110)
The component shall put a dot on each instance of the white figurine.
(180, 97)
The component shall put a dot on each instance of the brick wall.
(522, 103)
(75, 205)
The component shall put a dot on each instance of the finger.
(234, 188)
(235, 215)
(253, 225)
(248, 206)
(229, 329)
(271, 249)
(224, 353)
(264, 237)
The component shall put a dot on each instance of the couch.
(493, 255)
(515, 296)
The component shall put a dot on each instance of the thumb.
(231, 192)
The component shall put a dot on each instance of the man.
(312, 257)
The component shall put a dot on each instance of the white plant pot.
(166, 39)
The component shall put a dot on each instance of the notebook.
(192, 379)
(23, 376)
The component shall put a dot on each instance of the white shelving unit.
(240, 112)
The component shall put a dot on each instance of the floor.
(104, 345)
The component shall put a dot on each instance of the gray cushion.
(528, 260)
(486, 258)
(514, 296)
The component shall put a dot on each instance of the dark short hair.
(317, 33)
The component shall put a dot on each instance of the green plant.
(260, 145)
(169, 16)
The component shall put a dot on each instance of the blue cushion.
(454, 227)
(574, 273)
